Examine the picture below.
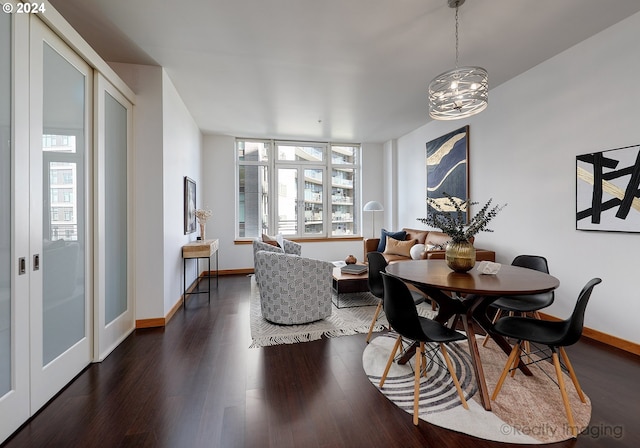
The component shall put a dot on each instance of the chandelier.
(461, 92)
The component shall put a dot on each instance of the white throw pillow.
(416, 251)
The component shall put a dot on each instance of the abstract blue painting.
(448, 168)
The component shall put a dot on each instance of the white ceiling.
(340, 70)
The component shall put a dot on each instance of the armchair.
(293, 289)
(286, 246)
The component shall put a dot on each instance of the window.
(316, 189)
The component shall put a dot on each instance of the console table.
(196, 250)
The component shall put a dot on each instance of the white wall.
(167, 147)
(182, 155)
(219, 188)
(522, 152)
(146, 82)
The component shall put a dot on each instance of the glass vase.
(202, 224)
(460, 257)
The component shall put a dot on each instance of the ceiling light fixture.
(461, 92)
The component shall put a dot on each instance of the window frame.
(327, 166)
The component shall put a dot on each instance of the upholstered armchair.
(286, 246)
(293, 289)
(258, 246)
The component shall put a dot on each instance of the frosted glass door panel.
(115, 208)
(63, 244)
(5, 204)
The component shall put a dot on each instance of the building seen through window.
(316, 189)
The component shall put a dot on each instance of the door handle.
(22, 266)
(36, 262)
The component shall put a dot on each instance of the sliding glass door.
(114, 308)
(14, 234)
(61, 105)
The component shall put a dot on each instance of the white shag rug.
(342, 322)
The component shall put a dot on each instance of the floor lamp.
(373, 206)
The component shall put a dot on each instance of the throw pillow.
(416, 251)
(270, 240)
(395, 247)
(401, 236)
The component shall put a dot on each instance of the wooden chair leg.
(516, 360)
(572, 374)
(424, 364)
(373, 322)
(454, 377)
(563, 391)
(495, 319)
(416, 385)
(505, 371)
(390, 360)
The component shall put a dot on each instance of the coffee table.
(346, 283)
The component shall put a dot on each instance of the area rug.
(528, 410)
(354, 317)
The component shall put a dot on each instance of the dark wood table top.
(510, 280)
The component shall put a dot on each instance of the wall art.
(608, 190)
(448, 168)
(189, 205)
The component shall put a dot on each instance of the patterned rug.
(528, 410)
(354, 316)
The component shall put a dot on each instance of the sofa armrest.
(370, 245)
(485, 255)
(433, 255)
(481, 255)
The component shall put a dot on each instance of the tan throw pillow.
(270, 240)
(395, 247)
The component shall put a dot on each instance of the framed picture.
(448, 168)
(608, 190)
(189, 205)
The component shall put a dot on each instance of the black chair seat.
(541, 331)
(527, 303)
(436, 332)
(524, 304)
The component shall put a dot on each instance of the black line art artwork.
(608, 190)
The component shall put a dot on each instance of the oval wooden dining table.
(467, 296)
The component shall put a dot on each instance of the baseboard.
(151, 323)
(613, 341)
(163, 321)
(245, 271)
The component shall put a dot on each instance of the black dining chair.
(555, 335)
(377, 264)
(524, 304)
(404, 319)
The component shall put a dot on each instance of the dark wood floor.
(196, 383)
